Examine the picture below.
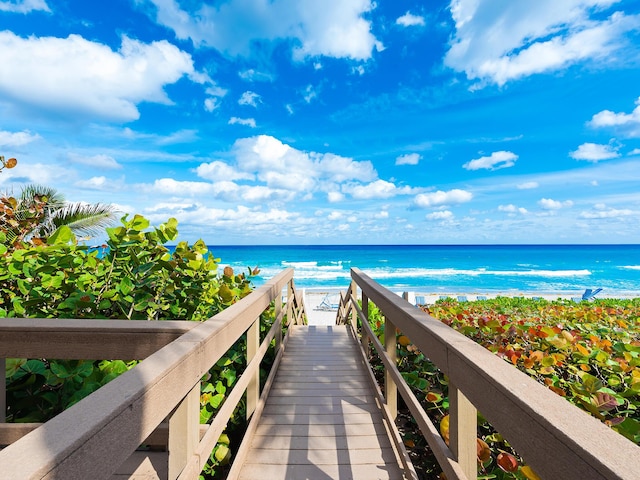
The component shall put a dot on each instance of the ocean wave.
(452, 272)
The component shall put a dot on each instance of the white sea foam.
(451, 272)
(631, 267)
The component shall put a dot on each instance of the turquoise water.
(477, 268)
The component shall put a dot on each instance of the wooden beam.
(82, 339)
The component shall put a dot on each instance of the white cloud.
(593, 152)
(382, 214)
(214, 99)
(495, 161)
(334, 197)
(76, 76)
(175, 187)
(250, 98)
(17, 139)
(440, 215)
(98, 161)
(249, 122)
(550, 204)
(528, 185)
(434, 199)
(309, 94)
(635, 151)
(217, 171)
(333, 28)
(377, 189)
(24, 6)
(627, 123)
(408, 159)
(533, 37)
(265, 154)
(602, 211)
(100, 183)
(410, 20)
(512, 209)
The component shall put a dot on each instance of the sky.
(334, 121)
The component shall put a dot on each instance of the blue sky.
(333, 122)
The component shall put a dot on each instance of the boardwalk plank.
(321, 419)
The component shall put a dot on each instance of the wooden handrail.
(92, 438)
(556, 438)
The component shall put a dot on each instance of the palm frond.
(84, 218)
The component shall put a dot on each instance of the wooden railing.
(557, 439)
(95, 436)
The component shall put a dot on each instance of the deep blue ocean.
(432, 269)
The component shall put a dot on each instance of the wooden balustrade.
(557, 439)
(95, 436)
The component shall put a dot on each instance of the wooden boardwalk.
(322, 419)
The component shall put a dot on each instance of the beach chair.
(590, 294)
(420, 300)
(481, 297)
(462, 298)
(326, 305)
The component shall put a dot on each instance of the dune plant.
(134, 276)
(588, 353)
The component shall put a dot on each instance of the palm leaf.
(84, 218)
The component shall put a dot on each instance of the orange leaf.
(483, 450)
(404, 340)
(444, 428)
(529, 473)
(582, 349)
(507, 462)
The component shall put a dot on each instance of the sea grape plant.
(587, 352)
(133, 276)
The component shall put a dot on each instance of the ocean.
(492, 269)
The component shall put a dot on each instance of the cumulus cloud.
(533, 37)
(17, 139)
(76, 76)
(24, 6)
(249, 122)
(410, 20)
(527, 185)
(214, 97)
(98, 161)
(628, 124)
(434, 199)
(266, 155)
(440, 215)
(495, 161)
(249, 98)
(512, 209)
(377, 189)
(408, 159)
(334, 197)
(602, 211)
(174, 187)
(217, 170)
(332, 28)
(593, 152)
(550, 204)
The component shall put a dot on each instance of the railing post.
(184, 432)
(390, 389)
(463, 425)
(253, 389)
(289, 302)
(278, 312)
(364, 338)
(3, 390)
(353, 312)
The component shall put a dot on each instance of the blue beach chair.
(420, 300)
(590, 294)
(462, 298)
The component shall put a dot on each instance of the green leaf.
(126, 286)
(62, 235)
